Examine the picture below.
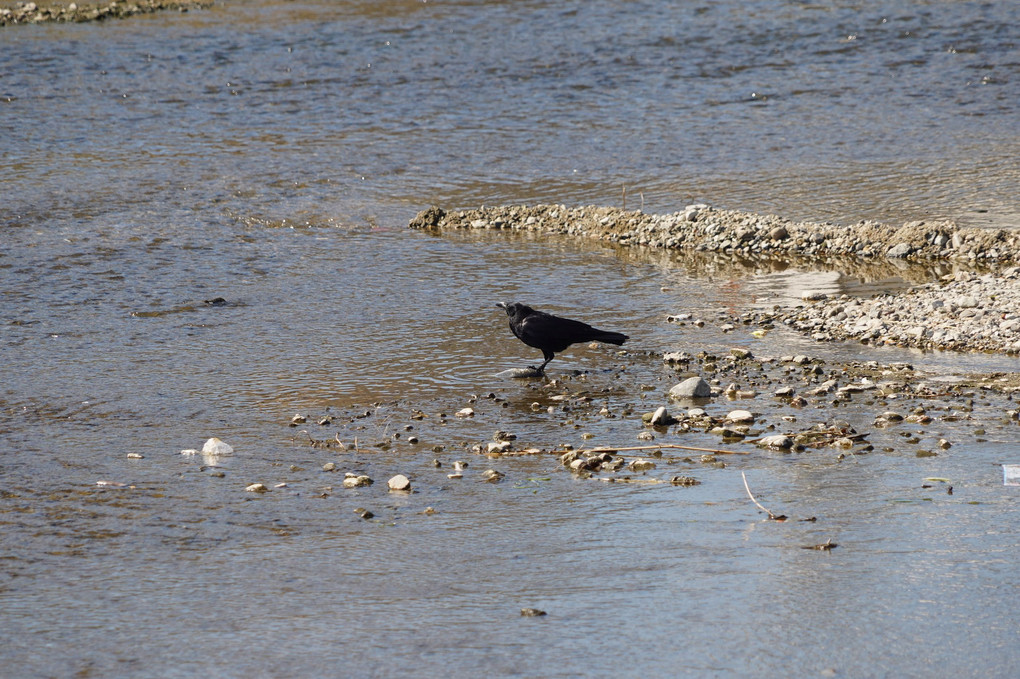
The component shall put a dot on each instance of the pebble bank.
(33, 13)
(962, 311)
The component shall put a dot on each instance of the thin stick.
(748, 488)
(666, 445)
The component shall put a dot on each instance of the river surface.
(203, 232)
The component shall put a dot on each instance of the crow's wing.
(552, 333)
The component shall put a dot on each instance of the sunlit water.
(270, 154)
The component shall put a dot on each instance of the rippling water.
(270, 154)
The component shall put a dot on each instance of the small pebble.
(492, 476)
(352, 480)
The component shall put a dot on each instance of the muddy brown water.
(250, 153)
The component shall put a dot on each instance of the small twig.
(624, 479)
(772, 516)
(674, 446)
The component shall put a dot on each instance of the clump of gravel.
(962, 311)
(33, 13)
(707, 229)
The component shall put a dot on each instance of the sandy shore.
(961, 311)
(34, 13)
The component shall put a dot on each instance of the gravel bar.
(32, 13)
(963, 311)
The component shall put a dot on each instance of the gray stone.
(900, 250)
(692, 387)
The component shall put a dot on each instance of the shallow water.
(252, 153)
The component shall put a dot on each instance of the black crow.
(552, 333)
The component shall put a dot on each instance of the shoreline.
(962, 311)
(33, 13)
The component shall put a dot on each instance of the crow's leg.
(548, 357)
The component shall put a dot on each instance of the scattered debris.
(773, 517)
(824, 547)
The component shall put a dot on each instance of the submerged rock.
(519, 373)
(641, 465)
(492, 476)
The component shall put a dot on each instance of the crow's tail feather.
(610, 337)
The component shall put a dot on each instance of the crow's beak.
(501, 305)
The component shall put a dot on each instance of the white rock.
(660, 416)
(740, 417)
(399, 482)
(214, 446)
(776, 441)
(352, 480)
